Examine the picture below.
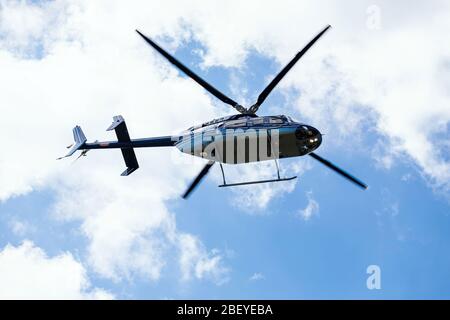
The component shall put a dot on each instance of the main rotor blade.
(283, 72)
(338, 170)
(197, 179)
(194, 76)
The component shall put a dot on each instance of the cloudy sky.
(377, 85)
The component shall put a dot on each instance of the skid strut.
(278, 179)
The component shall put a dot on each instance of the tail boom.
(124, 143)
(166, 141)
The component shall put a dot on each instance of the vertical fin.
(80, 140)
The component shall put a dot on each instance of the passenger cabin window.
(257, 121)
(274, 120)
(208, 137)
(236, 123)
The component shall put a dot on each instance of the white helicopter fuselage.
(249, 139)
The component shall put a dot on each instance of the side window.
(208, 137)
(236, 123)
(274, 120)
(257, 121)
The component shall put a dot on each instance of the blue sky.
(255, 252)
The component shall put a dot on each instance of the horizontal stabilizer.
(128, 171)
(123, 136)
(117, 121)
(130, 160)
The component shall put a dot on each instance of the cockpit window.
(303, 131)
(290, 119)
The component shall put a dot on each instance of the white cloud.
(25, 27)
(20, 227)
(130, 230)
(311, 209)
(406, 177)
(95, 66)
(385, 79)
(196, 262)
(26, 272)
(257, 276)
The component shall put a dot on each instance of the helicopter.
(240, 138)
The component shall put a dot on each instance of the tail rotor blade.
(265, 93)
(194, 76)
(198, 179)
(338, 170)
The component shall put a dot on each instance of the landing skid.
(278, 179)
